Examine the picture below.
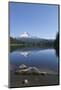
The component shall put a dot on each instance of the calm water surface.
(45, 59)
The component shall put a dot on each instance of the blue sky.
(37, 19)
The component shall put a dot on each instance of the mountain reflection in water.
(27, 51)
(39, 58)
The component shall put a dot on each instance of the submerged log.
(30, 70)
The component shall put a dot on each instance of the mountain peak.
(25, 35)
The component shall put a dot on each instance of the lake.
(44, 59)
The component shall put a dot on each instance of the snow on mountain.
(25, 35)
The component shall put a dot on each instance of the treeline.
(32, 43)
(56, 42)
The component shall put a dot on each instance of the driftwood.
(23, 69)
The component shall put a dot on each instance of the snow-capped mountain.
(28, 39)
(25, 35)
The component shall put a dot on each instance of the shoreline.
(33, 80)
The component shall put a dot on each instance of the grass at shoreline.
(21, 46)
(16, 44)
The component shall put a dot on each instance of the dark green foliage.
(27, 42)
(56, 44)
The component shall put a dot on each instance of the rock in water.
(25, 81)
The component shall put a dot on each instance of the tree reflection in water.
(57, 52)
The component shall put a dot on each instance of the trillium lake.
(45, 59)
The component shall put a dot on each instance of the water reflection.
(57, 52)
(27, 51)
(40, 58)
